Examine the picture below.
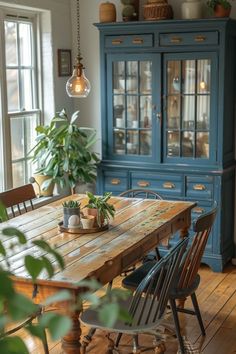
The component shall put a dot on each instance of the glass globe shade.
(78, 85)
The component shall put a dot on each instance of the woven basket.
(157, 11)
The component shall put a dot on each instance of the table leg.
(71, 342)
(184, 232)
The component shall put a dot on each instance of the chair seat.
(135, 278)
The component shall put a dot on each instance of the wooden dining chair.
(146, 305)
(19, 199)
(143, 193)
(188, 277)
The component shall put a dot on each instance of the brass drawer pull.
(137, 41)
(115, 181)
(168, 185)
(198, 210)
(117, 41)
(143, 184)
(200, 38)
(199, 187)
(176, 40)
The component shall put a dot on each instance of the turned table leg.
(71, 342)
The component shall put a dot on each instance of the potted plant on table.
(71, 213)
(100, 208)
(63, 152)
(221, 8)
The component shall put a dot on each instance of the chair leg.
(198, 313)
(118, 338)
(177, 325)
(136, 348)
(87, 339)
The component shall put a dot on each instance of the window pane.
(17, 138)
(145, 143)
(11, 43)
(204, 76)
(30, 124)
(132, 112)
(25, 44)
(146, 111)
(189, 71)
(12, 90)
(187, 144)
(26, 90)
(18, 173)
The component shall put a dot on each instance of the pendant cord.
(78, 27)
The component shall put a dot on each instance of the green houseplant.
(100, 208)
(63, 152)
(221, 8)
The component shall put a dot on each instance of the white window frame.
(5, 137)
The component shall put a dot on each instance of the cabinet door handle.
(115, 181)
(200, 38)
(199, 210)
(168, 185)
(143, 184)
(176, 40)
(137, 41)
(199, 187)
(117, 41)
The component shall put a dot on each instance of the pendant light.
(78, 85)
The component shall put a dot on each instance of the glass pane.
(12, 90)
(145, 142)
(132, 77)
(202, 145)
(189, 73)
(173, 76)
(204, 76)
(119, 141)
(146, 76)
(146, 111)
(132, 112)
(118, 77)
(18, 173)
(25, 44)
(30, 124)
(118, 111)
(173, 147)
(11, 43)
(173, 112)
(26, 89)
(17, 138)
(203, 112)
(188, 107)
(132, 142)
(187, 144)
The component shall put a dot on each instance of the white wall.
(89, 9)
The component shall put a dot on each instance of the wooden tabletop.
(138, 226)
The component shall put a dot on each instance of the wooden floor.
(217, 300)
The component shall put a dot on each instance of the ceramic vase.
(191, 9)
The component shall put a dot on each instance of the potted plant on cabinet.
(100, 208)
(221, 8)
(63, 152)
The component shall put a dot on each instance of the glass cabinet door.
(188, 97)
(131, 107)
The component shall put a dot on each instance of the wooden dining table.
(139, 226)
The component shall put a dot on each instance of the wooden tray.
(79, 230)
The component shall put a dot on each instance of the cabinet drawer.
(144, 40)
(116, 182)
(199, 187)
(192, 38)
(164, 184)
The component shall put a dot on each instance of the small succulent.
(71, 204)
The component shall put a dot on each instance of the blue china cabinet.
(168, 116)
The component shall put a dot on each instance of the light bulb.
(202, 85)
(78, 85)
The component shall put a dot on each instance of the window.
(21, 113)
